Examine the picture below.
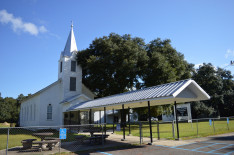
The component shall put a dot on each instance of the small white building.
(46, 107)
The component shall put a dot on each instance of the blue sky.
(33, 33)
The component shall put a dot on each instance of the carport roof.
(181, 91)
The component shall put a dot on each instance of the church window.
(27, 113)
(34, 113)
(49, 112)
(61, 66)
(30, 112)
(72, 84)
(22, 114)
(73, 66)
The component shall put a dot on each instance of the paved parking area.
(199, 148)
(219, 144)
(206, 147)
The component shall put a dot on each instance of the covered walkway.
(171, 93)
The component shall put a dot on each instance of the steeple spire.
(71, 43)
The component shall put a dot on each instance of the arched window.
(34, 113)
(22, 114)
(49, 112)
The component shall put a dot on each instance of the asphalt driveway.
(219, 144)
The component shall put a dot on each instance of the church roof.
(42, 90)
(72, 98)
(71, 44)
(180, 91)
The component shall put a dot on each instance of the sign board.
(118, 127)
(62, 133)
(210, 121)
(227, 120)
(182, 111)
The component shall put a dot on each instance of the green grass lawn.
(187, 130)
(18, 134)
(2, 125)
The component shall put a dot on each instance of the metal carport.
(176, 92)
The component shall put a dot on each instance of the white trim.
(202, 91)
(181, 88)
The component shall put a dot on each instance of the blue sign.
(62, 133)
(227, 120)
(118, 127)
(210, 122)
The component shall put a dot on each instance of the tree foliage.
(218, 83)
(115, 64)
(9, 111)
(165, 64)
(112, 64)
(10, 108)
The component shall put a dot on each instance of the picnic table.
(42, 135)
(45, 143)
(93, 130)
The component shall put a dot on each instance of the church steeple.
(68, 71)
(71, 44)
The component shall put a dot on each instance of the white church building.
(47, 106)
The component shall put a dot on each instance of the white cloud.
(19, 25)
(229, 53)
(42, 29)
(196, 66)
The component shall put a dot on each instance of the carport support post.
(90, 115)
(100, 117)
(177, 125)
(105, 119)
(69, 118)
(150, 125)
(113, 112)
(122, 122)
(78, 115)
(129, 125)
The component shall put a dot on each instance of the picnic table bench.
(94, 140)
(80, 138)
(43, 145)
(53, 138)
(97, 138)
(27, 143)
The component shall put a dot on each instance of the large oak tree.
(115, 64)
